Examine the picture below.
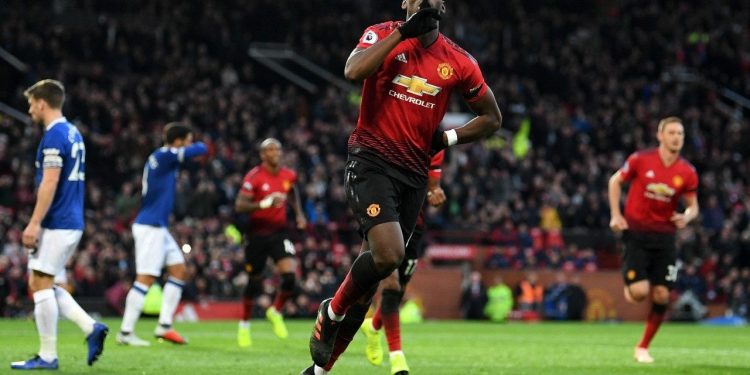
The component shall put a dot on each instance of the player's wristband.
(265, 202)
(452, 137)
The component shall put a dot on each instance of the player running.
(659, 178)
(264, 195)
(393, 287)
(154, 246)
(409, 71)
(56, 226)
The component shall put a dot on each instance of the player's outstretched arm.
(195, 149)
(487, 122)
(614, 192)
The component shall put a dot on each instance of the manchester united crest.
(445, 70)
(677, 181)
(373, 210)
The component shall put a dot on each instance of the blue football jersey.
(62, 147)
(159, 181)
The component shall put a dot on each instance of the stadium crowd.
(581, 85)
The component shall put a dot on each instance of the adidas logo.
(650, 174)
(401, 57)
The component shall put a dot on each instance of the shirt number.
(144, 181)
(153, 163)
(411, 266)
(672, 273)
(79, 155)
(289, 247)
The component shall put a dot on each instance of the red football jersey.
(436, 165)
(260, 183)
(405, 100)
(655, 190)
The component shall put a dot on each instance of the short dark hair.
(49, 90)
(176, 130)
(668, 120)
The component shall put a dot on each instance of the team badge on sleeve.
(370, 37)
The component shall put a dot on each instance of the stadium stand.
(583, 82)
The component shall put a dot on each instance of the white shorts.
(154, 248)
(61, 277)
(55, 248)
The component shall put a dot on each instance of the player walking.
(659, 177)
(409, 71)
(154, 246)
(264, 195)
(56, 226)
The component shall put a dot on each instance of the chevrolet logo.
(416, 85)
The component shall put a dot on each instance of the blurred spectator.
(689, 280)
(530, 293)
(499, 301)
(4, 284)
(577, 300)
(739, 303)
(586, 80)
(474, 297)
(688, 308)
(556, 299)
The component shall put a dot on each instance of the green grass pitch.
(447, 347)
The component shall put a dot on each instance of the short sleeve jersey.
(159, 182)
(655, 190)
(404, 101)
(62, 147)
(260, 183)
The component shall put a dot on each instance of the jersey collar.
(56, 121)
(268, 169)
(417, 43)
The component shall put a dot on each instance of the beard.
(37, 120)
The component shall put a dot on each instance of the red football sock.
(655, 317)
(247, 307)
(360, 281)
(377, 319)
(349, 327)
(392, 326)
(345, 295)
(281, 297)
(342, 342)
